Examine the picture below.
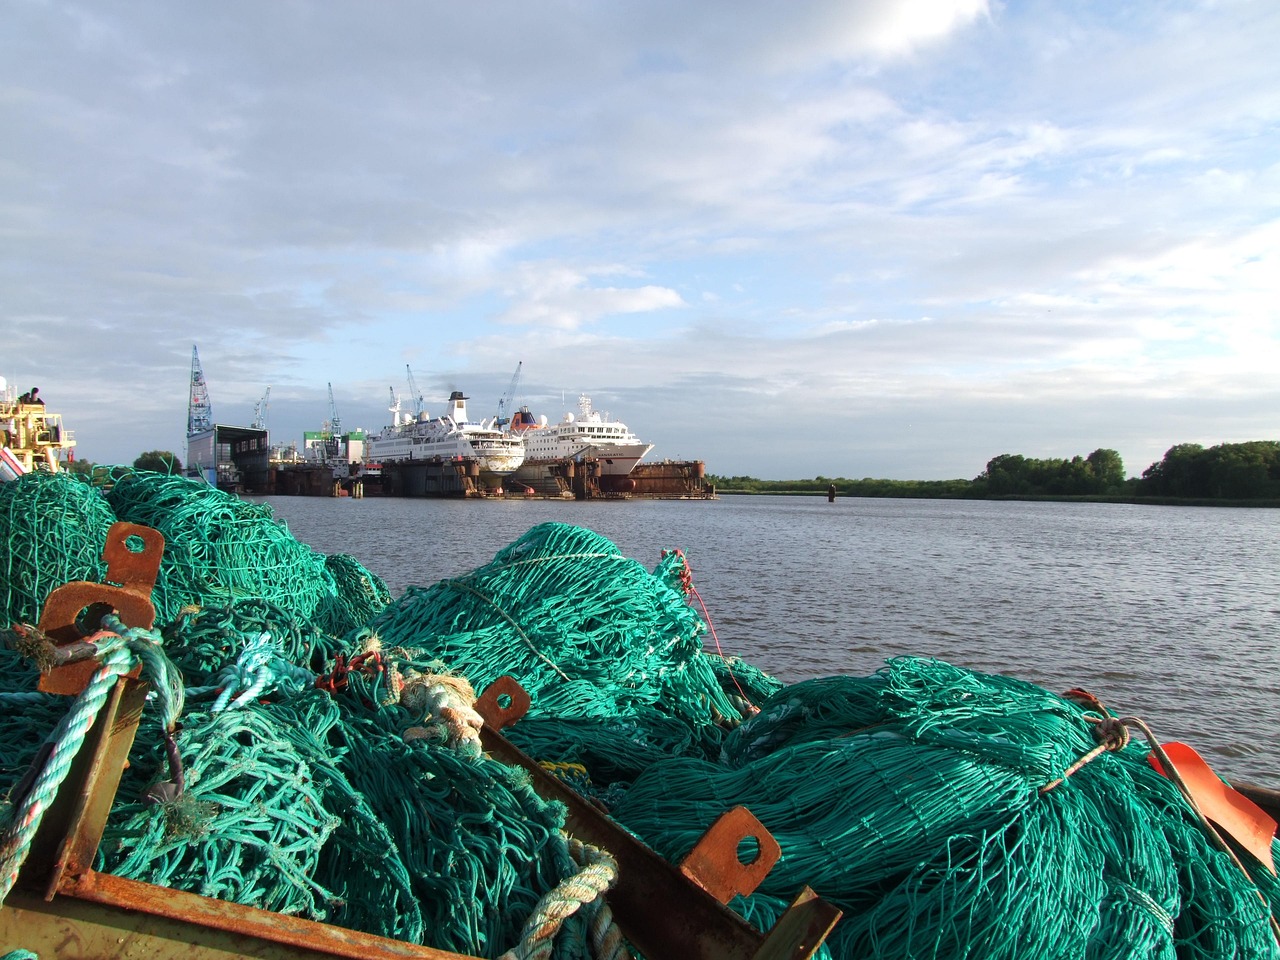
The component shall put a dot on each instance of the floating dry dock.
(562, 480)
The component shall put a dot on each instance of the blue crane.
(508, 399)
(415, 395)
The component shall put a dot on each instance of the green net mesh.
(912, 801)
(589, 633)
(53, 529)
(219, 548)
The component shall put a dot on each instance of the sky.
(869, 238)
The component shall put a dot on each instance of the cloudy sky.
(870, 238)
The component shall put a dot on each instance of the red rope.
(370, 664)
(686, 581)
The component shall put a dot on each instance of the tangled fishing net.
(53, 528)
(912, 799)
(330, 764)
(219, 548)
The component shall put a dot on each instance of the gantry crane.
(199, 410)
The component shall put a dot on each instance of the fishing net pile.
(925, 801)
(331, 766)
(218, 549)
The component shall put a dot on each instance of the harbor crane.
(335, 422)
(508, 400)
(260, 410)
(415, 395)
(199, 410)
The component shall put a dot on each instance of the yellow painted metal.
(31, 434)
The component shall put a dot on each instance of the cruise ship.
(449, 437)
(588, 436)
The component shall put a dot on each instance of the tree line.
(1188, 471)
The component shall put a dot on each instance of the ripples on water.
(1167, 613)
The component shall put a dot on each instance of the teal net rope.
(588, 632)
(321, 781)
(219, 549)
(913, 804)
(53, 529)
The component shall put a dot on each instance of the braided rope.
(1112, 735)
(121, 648)
(606, 938)
(599, 872)
(450, 704)
(259, 669)
(67, 738)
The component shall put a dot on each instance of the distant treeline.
(1229, 471)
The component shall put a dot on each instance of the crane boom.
(199, 410)
(335, 422)
(508, 400)
(260, 411)
(415, 396)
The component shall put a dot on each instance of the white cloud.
(966, 213)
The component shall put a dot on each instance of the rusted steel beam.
(71, 830)
(664, 913)
(205, 913)
(72, 827)
(101, 916)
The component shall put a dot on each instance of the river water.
(1171, 614)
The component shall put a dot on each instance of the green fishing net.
(589, 633)
(53, 529)
(204, 640)
(219, 548)
(911, 799)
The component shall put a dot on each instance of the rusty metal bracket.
(132, 553)
(73, 825)
(659, 908)
(715, 863)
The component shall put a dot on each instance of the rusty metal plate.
(132, 553)
(715, 862)
(503, 703)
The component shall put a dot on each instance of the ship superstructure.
(587, 436)
(451, 436)
(31, 437)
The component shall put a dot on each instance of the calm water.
(1171, 614)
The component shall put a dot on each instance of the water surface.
(1168, 613)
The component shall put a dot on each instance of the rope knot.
(1111, 733)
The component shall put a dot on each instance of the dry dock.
(569, 480)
